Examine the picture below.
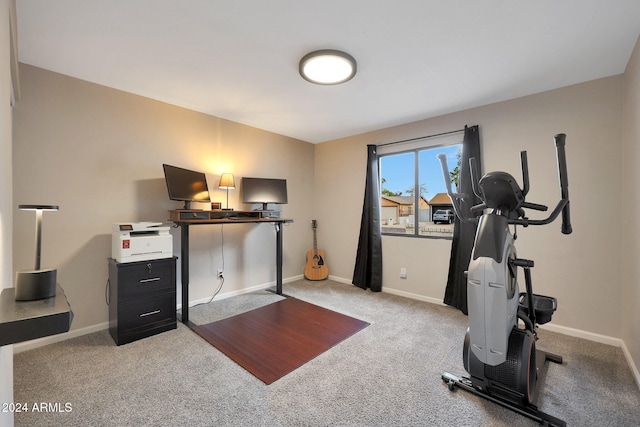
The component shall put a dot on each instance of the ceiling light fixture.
(327, 67)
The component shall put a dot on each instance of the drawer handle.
(150, 313)
(155, 279)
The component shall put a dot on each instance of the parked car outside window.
(444, 216)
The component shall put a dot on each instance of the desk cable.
(219, 275)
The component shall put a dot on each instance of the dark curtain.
(368, 270)
(463, 233)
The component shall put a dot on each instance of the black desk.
(186, 218)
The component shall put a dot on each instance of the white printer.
(140, 241)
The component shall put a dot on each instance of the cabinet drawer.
(143, 312)
(145, 278)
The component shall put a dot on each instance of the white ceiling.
(416, 58)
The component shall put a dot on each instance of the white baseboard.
(411, 295)
(40, 342)
(340, 279)
(632, 365)
(242, 291)
(398, 292)
(604, 339)
(29, 345)
(578, 333)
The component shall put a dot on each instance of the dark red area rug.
(273, 340)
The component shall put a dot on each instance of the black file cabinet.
(142, 298)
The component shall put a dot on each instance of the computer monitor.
(186, 185)
(264, 191)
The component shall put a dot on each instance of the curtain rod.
(420, 137)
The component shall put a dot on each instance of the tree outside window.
(414, 178)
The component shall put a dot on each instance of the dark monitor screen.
(186, 185)
(264, 190)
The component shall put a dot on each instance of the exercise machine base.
(529, 410)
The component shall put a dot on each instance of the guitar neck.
(315, 242)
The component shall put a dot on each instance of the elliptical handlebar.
(561, 207)
(473, 169)
(564, 182)
(525, 173)
(563, 204)
(456, 198)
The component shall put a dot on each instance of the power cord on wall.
(220, 273)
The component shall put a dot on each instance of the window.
(413, 189)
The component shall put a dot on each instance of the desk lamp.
(226, 181)
(39, 283)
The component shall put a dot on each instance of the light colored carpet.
(388, 374)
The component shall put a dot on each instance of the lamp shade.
(38, 207)
(38, 283)
(226, 181)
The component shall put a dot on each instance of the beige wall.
(98, 154)
(6, 202)
(582, 270)
(630, 208)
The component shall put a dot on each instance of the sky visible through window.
(397, 170)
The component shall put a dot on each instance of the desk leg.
(279, 259)
(184, 266)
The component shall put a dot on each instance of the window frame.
(416, 147)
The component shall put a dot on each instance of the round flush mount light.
(327, 67)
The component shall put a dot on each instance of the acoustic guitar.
(316, 269)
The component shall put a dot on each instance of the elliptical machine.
(499, 354)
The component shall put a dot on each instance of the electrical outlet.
(403, 273)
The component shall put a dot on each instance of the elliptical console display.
(499, 354)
